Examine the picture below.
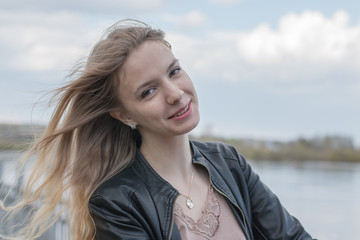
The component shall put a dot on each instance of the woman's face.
(156, 93)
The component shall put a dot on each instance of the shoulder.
(223, 149)
(217, 151)
(121, 185)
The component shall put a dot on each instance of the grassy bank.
(326, 148)
(18, 137)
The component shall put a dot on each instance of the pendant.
(189, 203)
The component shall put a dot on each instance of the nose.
(174, 94)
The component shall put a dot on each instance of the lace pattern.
(209, 222)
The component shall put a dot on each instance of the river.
(324, 196)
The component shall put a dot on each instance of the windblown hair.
(83, 145)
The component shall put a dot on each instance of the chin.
(191, 126)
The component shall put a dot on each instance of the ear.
(122, 117)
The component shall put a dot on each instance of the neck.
(170, 157)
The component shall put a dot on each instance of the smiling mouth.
(182, 111)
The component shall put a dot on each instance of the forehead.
(144, 64)
(148, 58)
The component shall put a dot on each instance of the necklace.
(189, 202)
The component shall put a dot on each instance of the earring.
(133, 126)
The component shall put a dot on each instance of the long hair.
(83, 145)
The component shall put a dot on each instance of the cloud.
(225, 2)
(191, 19)
(43, 41)
(302, 47)
(88, 6)
(40, 41)
(308, 37)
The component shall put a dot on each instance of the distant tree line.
(327, 148)
(18, 137)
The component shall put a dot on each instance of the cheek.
(192, 89)
(187, 84)
(151, 110)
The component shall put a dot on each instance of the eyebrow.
(172, 64)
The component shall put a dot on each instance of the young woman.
(116, 156)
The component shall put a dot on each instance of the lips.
(181, 111)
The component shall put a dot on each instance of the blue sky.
(263, 69)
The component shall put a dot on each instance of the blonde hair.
(83, 145)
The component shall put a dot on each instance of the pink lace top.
(216, 222)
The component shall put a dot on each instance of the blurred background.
(280, 80)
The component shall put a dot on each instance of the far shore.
(323, 148)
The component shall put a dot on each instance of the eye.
(175, 71)
(147, 92)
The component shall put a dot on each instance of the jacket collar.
(164, 194)
(158, 185)
(206, 159)
(213, 160)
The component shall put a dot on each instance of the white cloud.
(186, 49)
(189, 20)
(89, 6)
(39, 41)
(52, 35)
(42, 41)
(304, 46)
(301, 44)
(225, 2)
(307, 39)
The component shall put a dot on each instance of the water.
(8, 176)
(324, 196)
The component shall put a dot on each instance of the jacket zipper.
(243, 216)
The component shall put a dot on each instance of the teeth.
(182, 112)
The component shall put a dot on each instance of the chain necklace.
(189, 202)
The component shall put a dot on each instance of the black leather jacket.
(138, 204)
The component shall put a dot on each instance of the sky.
(275, 70)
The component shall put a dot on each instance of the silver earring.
(133, 126)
